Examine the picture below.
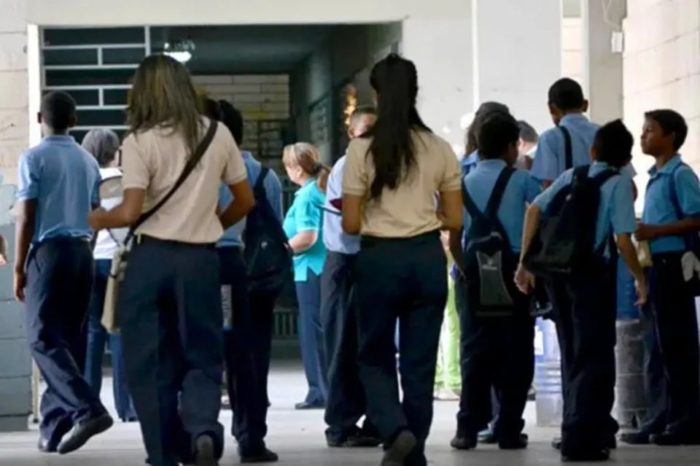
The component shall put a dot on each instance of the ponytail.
(308, 157)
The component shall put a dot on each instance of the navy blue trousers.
(311, 337)
(498, 353)
(404, 279)
(97, 338)
(585, 313)
(346, 399)
(676, 333)
(247, 354)
(59, 279)
(171, 325)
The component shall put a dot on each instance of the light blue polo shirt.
(273, 192)
(469, 162)
(658, 208)
(520, 191)
(64, 179)
(334, 237)
(550, 156)
(616, 209)
(306, 214)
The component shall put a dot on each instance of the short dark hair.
(233, 119)
(496, 133)
(566, 94)
(613, 144)
(527, 132)
(211, 109)
(58, 110)
(670, 121)
(484, 111)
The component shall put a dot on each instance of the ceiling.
(244, 49)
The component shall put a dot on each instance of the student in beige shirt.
(170, 301)
(401, 186)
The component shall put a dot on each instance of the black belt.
(368, 241)
(145, 239)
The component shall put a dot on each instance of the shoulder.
(434, 142)
(550, 136)
(521, 176)
(684, 174)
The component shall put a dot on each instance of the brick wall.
(662, 68)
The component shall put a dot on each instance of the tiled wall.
(662, 68)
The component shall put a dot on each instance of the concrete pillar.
(517, 55)
(441, 50)
(602, 65)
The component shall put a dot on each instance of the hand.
(20, 282)
(94, 218)
(524, 280)
(645, 232)
(3, 259)
(642, 292)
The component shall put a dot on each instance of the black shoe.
(672, 439)
(263, 456)
(586, 456)
(487, 437)
(46, 446)
(463, 442)
(84, 431)
(305, 405)
(362, 441)
(204, 453)
(397, 453)
(611, 444)
(515, 443)
(636, 438)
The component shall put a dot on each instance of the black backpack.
(267, 253)
(565, 241)
(489, 261)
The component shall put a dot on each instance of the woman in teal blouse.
(303, 226)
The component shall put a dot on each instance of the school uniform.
(346, 401)
(306, 214)
(247, 323)
(671, 303)
(170, 300)
(63, 180)
(499, 350)
(585, 312)
(400, 274)
(105, 248)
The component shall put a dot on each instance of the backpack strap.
(260, 182)
(568, 149)
(600, 179)
(494, 202)
(675, 202)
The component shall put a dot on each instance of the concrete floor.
(298, 438)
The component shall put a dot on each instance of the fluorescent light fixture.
(182, 57)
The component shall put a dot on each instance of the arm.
(456, 249)
(303, 240)
(629, 255)
(451, 212)
(123, 215)
(352, 214)
(273, 189)
(243, 202)
(24, 231)
(683, 227)
(524, 280)
(3, 250)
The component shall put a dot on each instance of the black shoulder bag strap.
(189, 167)
(598, 181)
(568, 149)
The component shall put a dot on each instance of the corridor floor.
(298, 438)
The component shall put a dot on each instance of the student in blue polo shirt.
(500, 349)
(585, 303)
(346, 399)
(671, 215)
(303, 225)
(248, 324)
(58, 187)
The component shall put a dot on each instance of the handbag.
(110, 314)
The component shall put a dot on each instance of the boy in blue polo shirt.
(500, 348)
(585, 303)
(58, 187)
(672, 215)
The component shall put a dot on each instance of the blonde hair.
(163, 95)
(308, 158)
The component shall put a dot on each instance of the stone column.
(602, 66)
(517, 55)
